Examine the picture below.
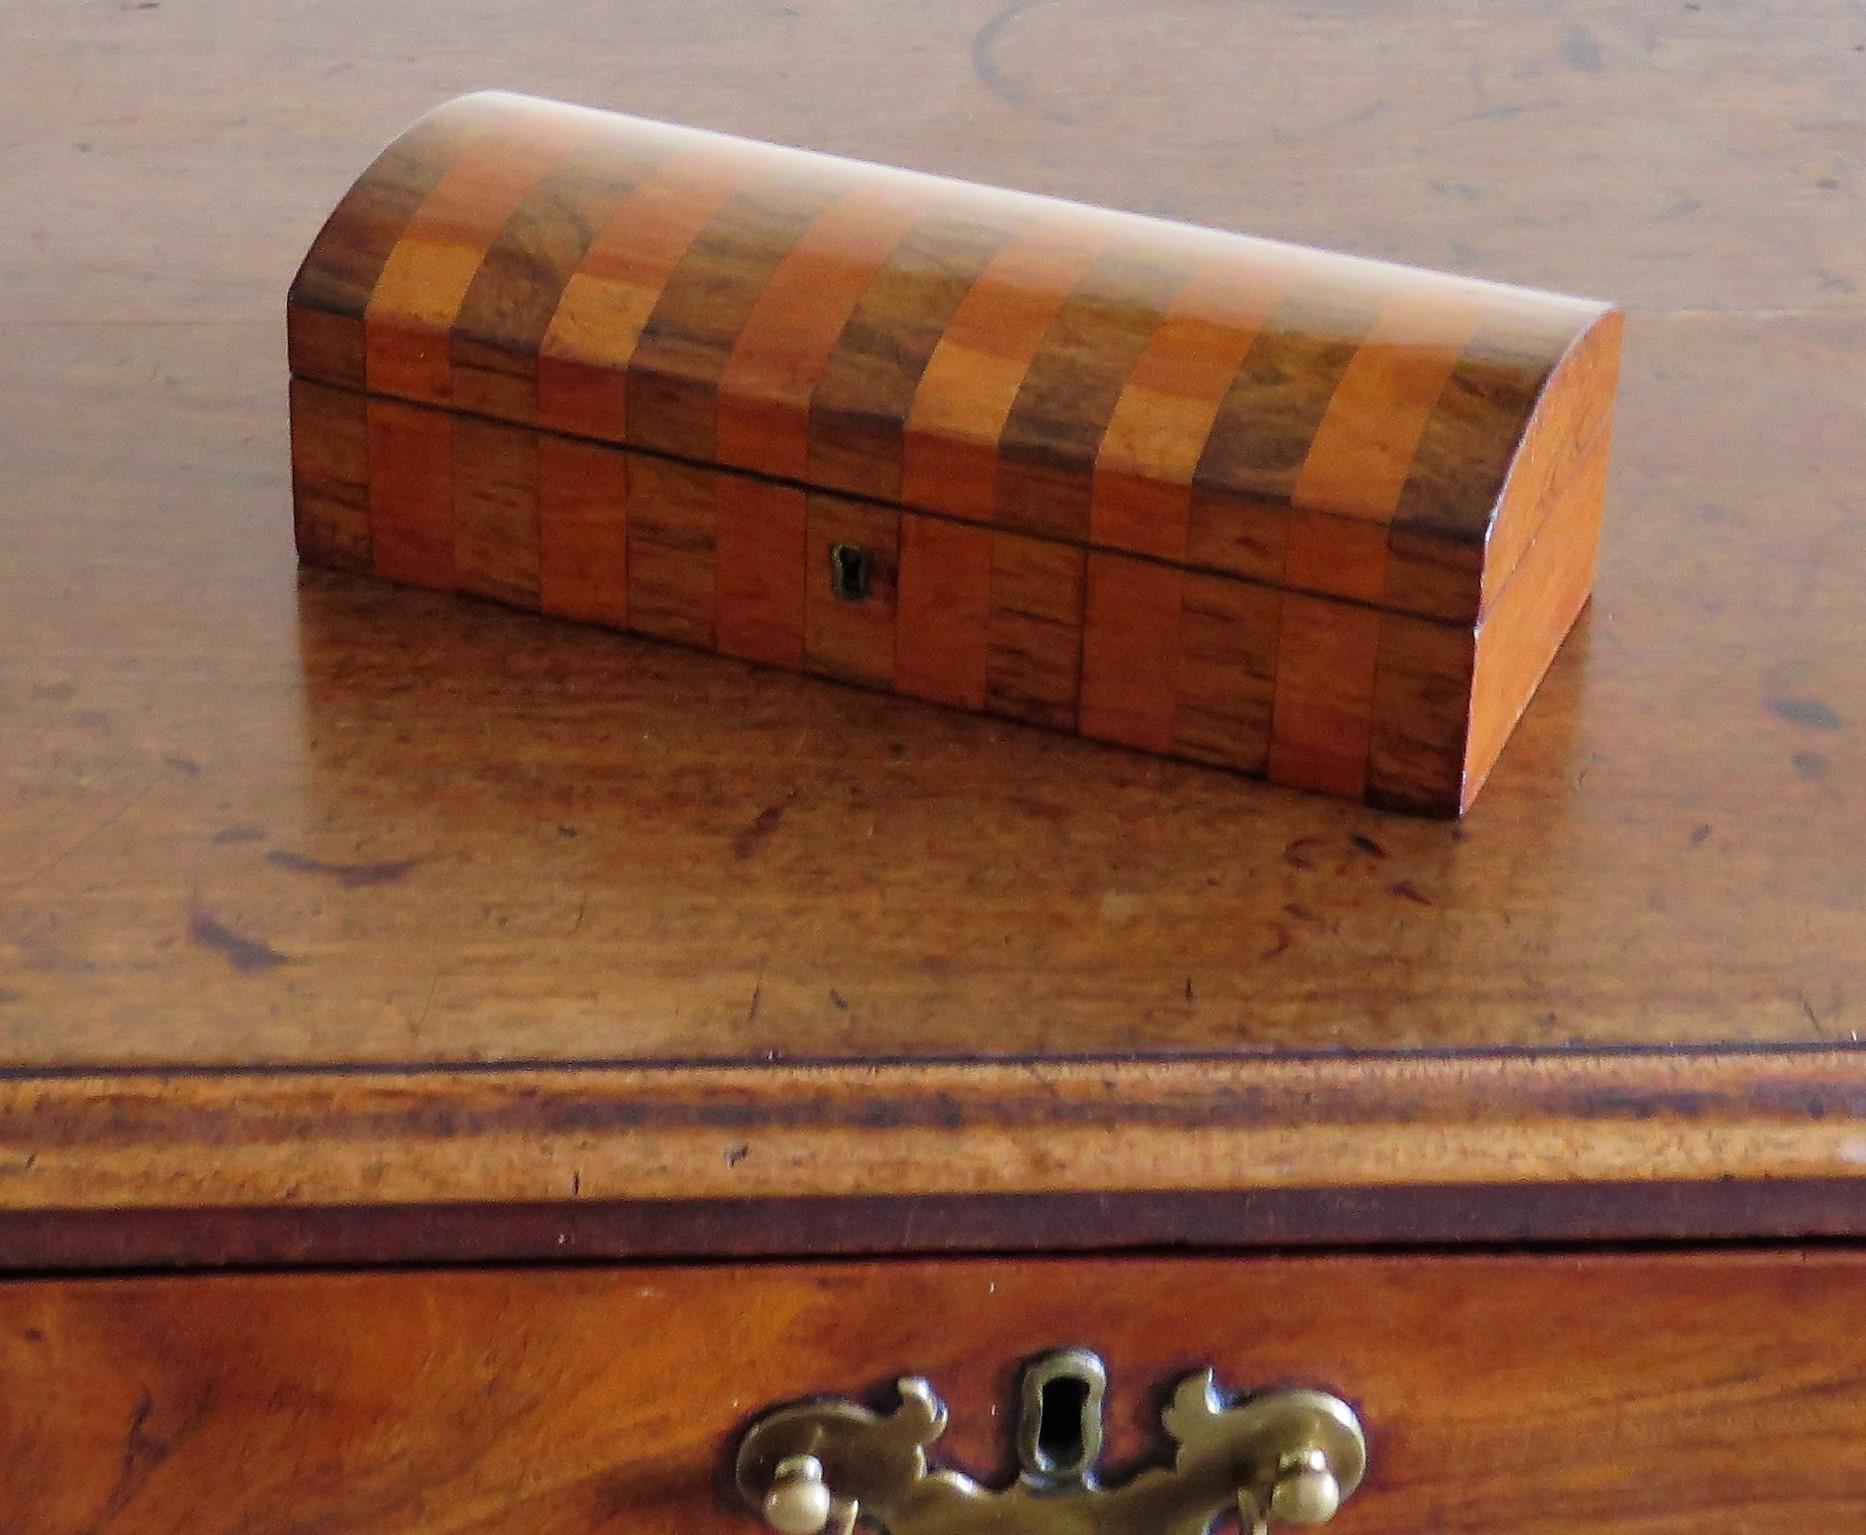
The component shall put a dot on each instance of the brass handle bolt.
(1306, 1490)
(799, 1502)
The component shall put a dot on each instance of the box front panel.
(1306, 691)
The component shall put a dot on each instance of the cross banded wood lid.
(1311, 421)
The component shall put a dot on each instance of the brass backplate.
(1291, 1455)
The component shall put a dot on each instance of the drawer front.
(1668, 1393)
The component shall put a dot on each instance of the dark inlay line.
(1436, 540)
(508, 308)
(1458, 470)
(860, 406)
(1262, 433)
(1047, 450)
(1809, 1088)
(1609, 1218)
(673, 376)
(1033, 665)
(347, 257)
(1229, 631)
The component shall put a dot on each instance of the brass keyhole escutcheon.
(849, 570)
(1059, 1418)
(821, 1466)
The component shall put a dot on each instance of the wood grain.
(897, 1132)
(413, 535)
(1321, 721)
(1033, 667)
(761, 553)
(429, 1401)
(496, 532)
(942, 642)
(821, 1225)
(249, 818)
(1131, 642)
(325, 321)
(330, 476)
(582, 510)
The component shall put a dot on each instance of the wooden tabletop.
(308, 839)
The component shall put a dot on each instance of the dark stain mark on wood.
(1375, 108)
(838, 1000)
(1700, 834)
(1795, 1098)
(1494, 114)
(1406, 890)
(1191, 995)
(352, 876)
(1810, 764)
(1463, 190)
(53, 961)
(186, 766)
(984, 54)
(737, 1154)
(1580, 48)
(751, 838)
(231, 834)
(143, 1452)
(1300, 853)
(7, 996)
(576, 1183)
(249, 956)
(1810, 712)
(1368, 846)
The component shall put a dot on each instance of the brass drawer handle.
(816, 1466)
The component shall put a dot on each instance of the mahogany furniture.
(1308, 516)
(457, 1067)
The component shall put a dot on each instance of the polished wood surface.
(342, 837)
(1090, 391)
(1680, 1394)
(1179, 1152)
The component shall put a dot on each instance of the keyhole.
(1059, 1425)
(848, 572)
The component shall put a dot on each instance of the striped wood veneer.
(1188, 491)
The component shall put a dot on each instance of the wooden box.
(1310, 517)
